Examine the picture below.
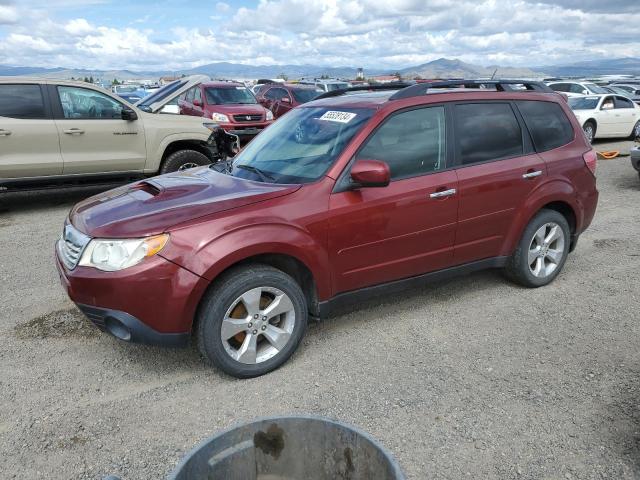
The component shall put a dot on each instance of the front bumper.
(245, 130)
(153, 302)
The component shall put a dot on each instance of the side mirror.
(197, 103)
(370, 173)
(585, 92)
(285, 100)
(128, 114)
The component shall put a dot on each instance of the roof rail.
(500, 85)
(386, 86)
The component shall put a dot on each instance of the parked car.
(229, 104)
(635, 97)
(327, 85)
(607, 116)
(165, 99)
(280, 98)
(575, 89)
(630, 89)
(55, 130)
(347, 197)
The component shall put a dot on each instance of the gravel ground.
(472, 378)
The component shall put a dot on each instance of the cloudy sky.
(176, 34)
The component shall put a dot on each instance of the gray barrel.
(289, 448)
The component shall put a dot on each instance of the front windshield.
(301, 146)
(583, 103)
(595, 88)
(304, 95)
(229, 95)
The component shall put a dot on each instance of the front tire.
(184, 159)
(542, 250)
(252, 321)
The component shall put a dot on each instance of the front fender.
(158, 145)
(554, 190)
(212, 258)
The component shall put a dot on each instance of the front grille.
(71, 245)
(247, 118)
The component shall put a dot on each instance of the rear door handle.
(74, 131)
(535, 174)
(443, 193)
(4, 133)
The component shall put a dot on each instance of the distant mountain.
(446, 68)
(441, 68)
(14, 71)
(615, 66)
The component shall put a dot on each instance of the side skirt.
(326, 308)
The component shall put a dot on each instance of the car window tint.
(277, 94)
(21, 101)
(549, 126)
(560, 87)
(88, 104)
(487, 131)
(577, 88)
(197, 95)
(621, 102)
(412, 143)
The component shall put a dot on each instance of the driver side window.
(83, 103)
(412, 143)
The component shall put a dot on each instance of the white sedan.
(607, 116)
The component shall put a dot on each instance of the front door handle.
(74, 131)
(4, 133)
(443, 193)
(535, 174)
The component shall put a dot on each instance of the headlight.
(219, 117)
(112, 255)
(269, 115)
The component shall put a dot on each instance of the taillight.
(590, 159)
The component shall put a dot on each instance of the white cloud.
(389, 34)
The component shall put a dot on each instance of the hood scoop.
(148, 186)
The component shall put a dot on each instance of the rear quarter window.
(21, 101)
(549, 126)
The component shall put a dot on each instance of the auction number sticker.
(342, 117)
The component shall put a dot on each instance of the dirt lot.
(473, 378)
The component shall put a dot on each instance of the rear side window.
(412, 143)
(622, 102)
(549, 126)
(487, 131)
(21, 101)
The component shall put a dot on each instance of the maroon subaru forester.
(353, 195)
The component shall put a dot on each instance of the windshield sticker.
(342, 117)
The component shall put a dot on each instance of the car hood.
(238, 109)
(152, 206)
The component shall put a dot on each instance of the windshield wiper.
(264, 176)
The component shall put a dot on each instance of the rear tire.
(635, 133)
(252, 321)
(183, 159)
(589, 129)
(542, 250)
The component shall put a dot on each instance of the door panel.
(93, 137)
(29, 145)
(407, 228)
(378, 235)
(490, 196)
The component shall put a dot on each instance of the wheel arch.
(178, 145)
(556, 195)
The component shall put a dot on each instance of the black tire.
(219, 299)
(518, 269)
(589, 124)
(182, 158)
(635, 133)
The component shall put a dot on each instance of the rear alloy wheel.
(589, 131)
(542, 250)
(252, 322)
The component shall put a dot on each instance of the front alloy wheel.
(252, 321)
(589, 131)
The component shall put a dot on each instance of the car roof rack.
(363, 88)
(500, 85)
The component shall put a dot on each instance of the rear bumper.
(129, 329)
